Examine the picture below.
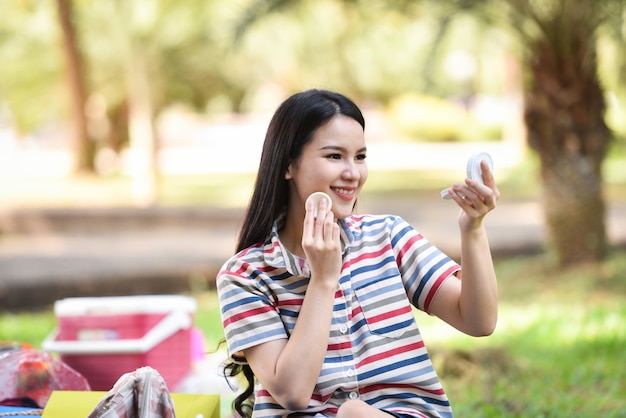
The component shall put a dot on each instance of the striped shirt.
(375, 350)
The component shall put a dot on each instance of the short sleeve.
(423, 266)
(249, 315)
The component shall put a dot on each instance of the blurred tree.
(564, 100)
(137, 88)
(32, 73)
(146, 56)
(83, 145)
(564, 115)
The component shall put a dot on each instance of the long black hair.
(291, 128)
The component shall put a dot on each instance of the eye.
(335, 156)
(361, 157)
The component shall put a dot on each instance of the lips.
(344, 193)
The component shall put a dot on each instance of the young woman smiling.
(317, 310)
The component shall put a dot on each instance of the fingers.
(474, 197)
(321, 241)
(470, 202)
(318, 228)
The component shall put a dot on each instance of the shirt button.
(353, 395)
(343, 329)
(350, 372)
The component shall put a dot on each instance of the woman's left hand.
(475, 199)
(470, 304)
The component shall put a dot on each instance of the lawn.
(558, 350)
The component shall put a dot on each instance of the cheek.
(364, 173)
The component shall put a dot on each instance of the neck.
(291, 234)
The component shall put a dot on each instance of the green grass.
(558, 350)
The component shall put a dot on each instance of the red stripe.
(263, 392)
(373, 254)
(244, 267)
(266, 269)
(387, 386)
(390, 314)
(247, 314)
(241, 269)
(407, 246)
(388, 353)
(271, 248)
(290, 302)
(435, 287)
(340, 346)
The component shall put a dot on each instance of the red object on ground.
(29, 376)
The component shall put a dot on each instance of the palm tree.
(564, 116)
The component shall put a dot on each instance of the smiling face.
(333, 162)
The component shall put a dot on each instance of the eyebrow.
(337, 148)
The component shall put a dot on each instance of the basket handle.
(168, 326)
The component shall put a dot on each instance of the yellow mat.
(79, 404)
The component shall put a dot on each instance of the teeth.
(344, 191)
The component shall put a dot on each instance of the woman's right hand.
(321, 243)
(273, 362)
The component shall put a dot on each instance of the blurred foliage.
(216, 56)
(198, 55)
(428, 118)
(31, 74)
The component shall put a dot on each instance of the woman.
(317, 310)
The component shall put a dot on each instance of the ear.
(288, 174)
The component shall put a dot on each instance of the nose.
(351, 171)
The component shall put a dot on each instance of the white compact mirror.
(473, 169)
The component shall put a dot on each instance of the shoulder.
(368, 220)
(243, 262)
(374, 224)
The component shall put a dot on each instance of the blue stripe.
(376, 221)
(283, 276)
(425, 274)
(288, 313)
(267, 405)
(295, 285)
(338, 307)
(356, 327)
(394, 327)
(254, 339)
(400, 234)
(374, 267)
(239, 304)
(407, 396)
(411, 362)
(326, 371)
(338, 359)
(429, 274)
(362, 287)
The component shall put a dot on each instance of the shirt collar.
(276, 254)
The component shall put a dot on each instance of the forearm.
(298, 365)
(478, 300)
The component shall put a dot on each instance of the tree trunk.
(141, 129)
(565, 120)
(143, 141)
(82, 145)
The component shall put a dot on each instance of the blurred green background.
(146, 104)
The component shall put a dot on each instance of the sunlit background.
(131, 131)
